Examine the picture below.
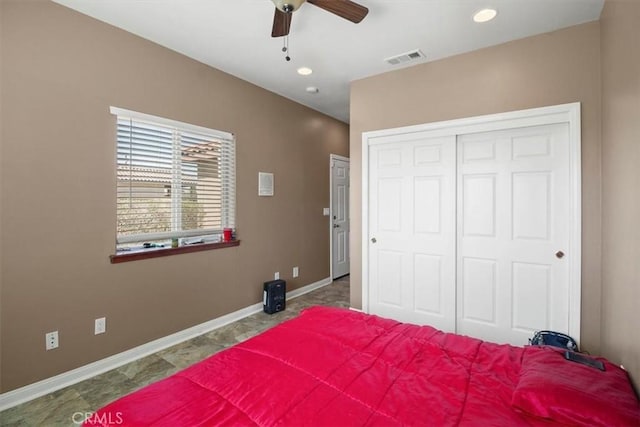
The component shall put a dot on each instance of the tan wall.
(60, 73)
(1, 235)
(620, 25)
(549, 69)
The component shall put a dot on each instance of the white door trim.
(565, 113)
(333, 157)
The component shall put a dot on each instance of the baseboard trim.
(32, 391)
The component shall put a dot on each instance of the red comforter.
(335, 367)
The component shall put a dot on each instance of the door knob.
(373, 240)
(336, 226)
(559, 254)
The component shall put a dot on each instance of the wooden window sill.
(155, 253)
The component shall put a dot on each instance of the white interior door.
(513, 212)
(339, 217)
(412, 230)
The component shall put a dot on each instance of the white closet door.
(513, 212)
(412, 230)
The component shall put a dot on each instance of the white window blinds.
(173, 179)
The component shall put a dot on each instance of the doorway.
(339, 216)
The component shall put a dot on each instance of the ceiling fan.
(343, 8)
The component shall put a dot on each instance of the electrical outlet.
(296, 272)
(101, 326)
(51, 340)
(276, 276)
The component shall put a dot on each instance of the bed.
(338, 367)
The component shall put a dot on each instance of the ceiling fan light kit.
(288, 6)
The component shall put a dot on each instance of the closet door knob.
(373, 240)
(559, 254)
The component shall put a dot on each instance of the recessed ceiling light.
(485, 15)
(304, 71)
(313, 89)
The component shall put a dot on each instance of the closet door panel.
(513, 212)
(412, 230)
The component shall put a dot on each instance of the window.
(175, 182)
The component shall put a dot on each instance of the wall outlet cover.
(51, 340)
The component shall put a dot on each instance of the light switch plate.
(100, 326)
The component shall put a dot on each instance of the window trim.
(225, 137)
(173, 123)
(162, 252)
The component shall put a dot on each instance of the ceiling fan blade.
(344, 8)
(281, 24)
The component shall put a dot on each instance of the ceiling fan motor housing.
(346, 9)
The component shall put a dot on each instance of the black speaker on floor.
(274, 297)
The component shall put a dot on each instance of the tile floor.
(61, 408)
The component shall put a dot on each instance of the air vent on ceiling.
(405, 57)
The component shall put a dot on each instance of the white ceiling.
(235, 36)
